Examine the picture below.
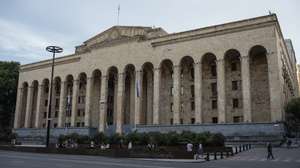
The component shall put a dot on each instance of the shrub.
(100, 138)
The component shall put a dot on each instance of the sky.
(28, 26)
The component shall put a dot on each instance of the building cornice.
(215, 30)
(47, 63)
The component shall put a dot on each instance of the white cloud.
(19, 43)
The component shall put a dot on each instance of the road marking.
(287, 160)
(87, 162)
(275, 160)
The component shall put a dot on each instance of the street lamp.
(53, 49)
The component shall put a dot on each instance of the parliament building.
(238, 74)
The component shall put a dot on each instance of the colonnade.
(232, 89)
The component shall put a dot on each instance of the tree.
(9, 72)
(292, 110)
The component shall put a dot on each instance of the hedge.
(161, 139)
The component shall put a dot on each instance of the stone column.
(198, 92)
(62, 103)
(120, 103)
(74, 102)
(138, 96)
(156, 96)
(29, 106)
(87, 117)
(39, 105)
(276, 87)
(221, 91)
(103, 104)
(245, 69)
(176, 93)
(18, 108)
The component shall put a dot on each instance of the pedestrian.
(130, 145)
(270, 152)
(289, 143)
(189, 147)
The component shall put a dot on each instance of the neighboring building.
(298, 75)
(238, 72)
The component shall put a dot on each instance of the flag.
(138, 88)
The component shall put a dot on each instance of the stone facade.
(238, 72)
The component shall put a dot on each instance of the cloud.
(19, 43)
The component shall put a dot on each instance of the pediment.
(119, 34)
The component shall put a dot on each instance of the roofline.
(45, 61)
(116, 26)
(217, 25)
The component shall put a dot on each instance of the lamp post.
(53, 49)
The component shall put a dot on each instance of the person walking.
(270, 152)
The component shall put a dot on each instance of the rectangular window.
(171, 121)
(192, 120)
(172, 107)
(83, 112)
(215, 120)
(55, 125)
(45, 114)
(214, 89)
(213, 69)
(234, 85)
(235, 103)
(192, 74)
(82, 99)
(56, 102)
(46, 102)
(233, 66)
(78, 112)
(78, 124)
(192, 91)
(78, 100)
(181, 121)
(237, 119)
(82, 124)
(192, 105)
(182, 107)
(56, 114)
(171, 91)
(214, 104)
(46, 89)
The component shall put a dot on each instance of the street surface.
(255, 158)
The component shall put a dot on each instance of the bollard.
(236, 150)
(243, 147)
(221, 155)
(207, 156)
(240, 148)
(215, 155)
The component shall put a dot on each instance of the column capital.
(219, 60)
(176, 66)
(244, 57)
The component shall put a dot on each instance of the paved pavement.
(255, 158)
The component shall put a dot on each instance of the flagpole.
(118, 14)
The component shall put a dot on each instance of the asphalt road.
(255, 158)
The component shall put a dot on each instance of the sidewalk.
(173, 160)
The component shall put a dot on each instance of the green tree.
(9, 72)
(292, 110)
